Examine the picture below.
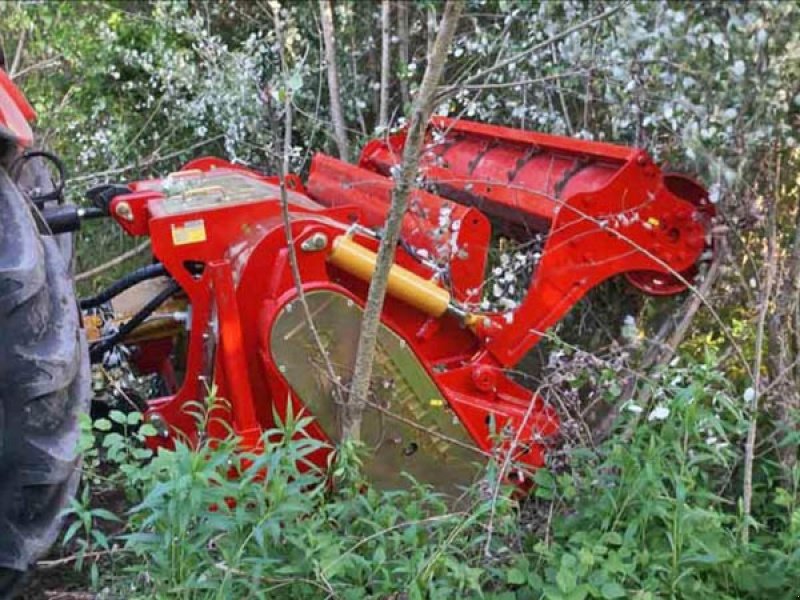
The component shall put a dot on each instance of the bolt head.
(315, 242)
(123, 211)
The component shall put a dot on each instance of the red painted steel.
(606, 210)
(249, 237)
(16, 113)
(454, 235)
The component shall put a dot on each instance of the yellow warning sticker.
(190, 232)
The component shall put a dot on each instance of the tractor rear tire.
(44, 385)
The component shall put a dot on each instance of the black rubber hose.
(55, 194)
(119, 286)
(102, 346)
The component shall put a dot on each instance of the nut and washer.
(315, 242)
(123, 211)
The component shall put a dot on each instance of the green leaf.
(543, 478)
(113, 439)
(516, 576)
(73, 528)
(107, 515)
(612, 590)
(118, 417)
(613, 538)
(147, 430)
(566, 579)
(102, 425)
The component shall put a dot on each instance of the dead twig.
(113, 262)
(67, 560)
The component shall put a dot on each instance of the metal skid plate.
(408, 425)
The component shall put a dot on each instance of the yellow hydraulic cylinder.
(404, 285)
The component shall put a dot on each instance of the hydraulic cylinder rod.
(404, 285)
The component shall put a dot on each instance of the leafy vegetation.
(655, 514)
(647, 504)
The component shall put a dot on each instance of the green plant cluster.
(655, 513)
(652, 513)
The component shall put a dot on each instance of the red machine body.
(218, 229)
(16, 113)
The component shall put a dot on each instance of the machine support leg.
(231, 349)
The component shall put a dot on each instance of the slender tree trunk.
(386, 63)
(15, 66)
(420, 114)
(285, 148)
(402, 50)
(337, 116)
(354, 75)
(783, 353)
(770, 266)
(431, 26)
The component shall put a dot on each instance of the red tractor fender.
(16, 113)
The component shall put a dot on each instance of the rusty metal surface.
(408, 427)
(160, 324)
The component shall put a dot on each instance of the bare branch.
(749, 449)
(287, 225)
(337, 116)
(113, 262)
(533, 49)
(386, 12)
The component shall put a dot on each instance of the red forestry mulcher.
(224, 309)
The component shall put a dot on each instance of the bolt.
(123, 211)
(315, 242)
(160, 425)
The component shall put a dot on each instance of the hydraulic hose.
(119, 286)
(102, 346)
(58, 192)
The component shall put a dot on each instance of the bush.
(651, 513)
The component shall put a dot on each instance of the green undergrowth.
(652, 513)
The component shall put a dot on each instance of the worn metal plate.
(408, 426)
(215, 188)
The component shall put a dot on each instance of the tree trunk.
(431, 27)
(285, 149)
(782, 354)
(337, 116)
(770, 267)
(402, 50)
(386, 64)
(420, 114)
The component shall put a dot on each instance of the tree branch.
(420, 114)
(337, 116)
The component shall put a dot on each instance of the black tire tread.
(44, 385)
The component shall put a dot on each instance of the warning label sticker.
(190, 232)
